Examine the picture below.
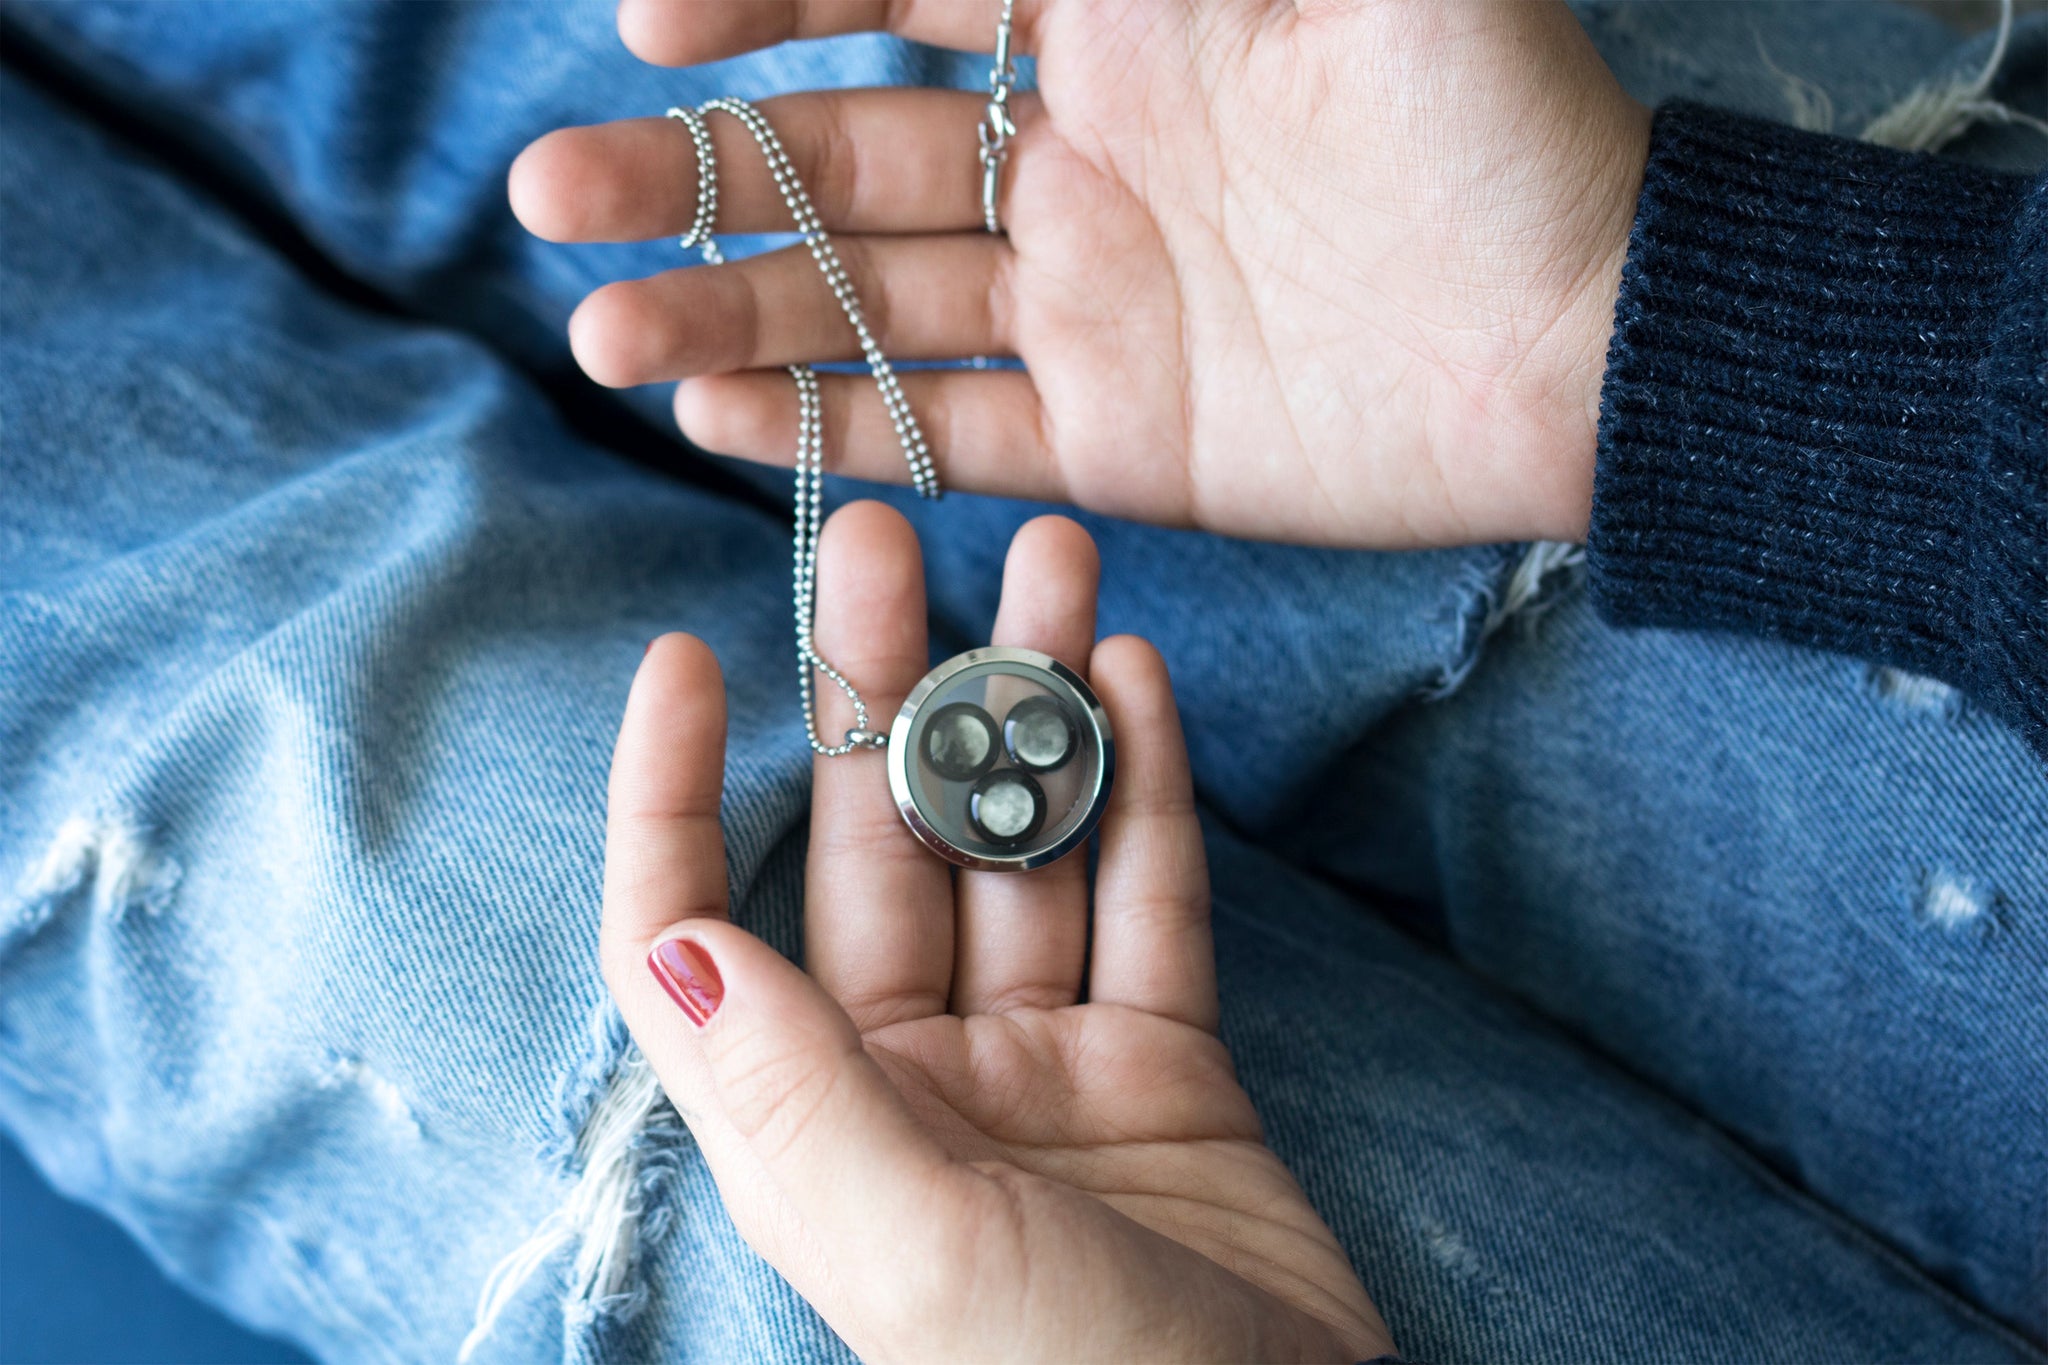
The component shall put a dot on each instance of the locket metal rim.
(900, 758)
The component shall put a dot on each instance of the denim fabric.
(61, 1264)
(318, 615)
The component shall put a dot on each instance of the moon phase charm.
(1001, 760)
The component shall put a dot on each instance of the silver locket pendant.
(1001, 760)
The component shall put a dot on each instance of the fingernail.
(689, 976)
(649, 649)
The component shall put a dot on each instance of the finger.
(988, 423)
(669, 34)
(779, 1092)
(924, 298)
(767, 1071)
(878, 909)
(664, 862)
(664, 851)
(1152, 946)
(893, 160)
(1021, 936)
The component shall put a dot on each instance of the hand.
(927, 1135)
(1340, 273)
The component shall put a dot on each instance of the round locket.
(1001, 760)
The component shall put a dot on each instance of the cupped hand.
(1340, 273)
(930, 1135)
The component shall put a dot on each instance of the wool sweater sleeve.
(1825, 415)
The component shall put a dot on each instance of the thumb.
(772, 1076)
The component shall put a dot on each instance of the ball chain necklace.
(1000, 759)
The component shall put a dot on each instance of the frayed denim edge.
(626, 1149)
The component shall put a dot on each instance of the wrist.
(1561, 504)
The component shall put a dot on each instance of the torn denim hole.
(1932, 115)
(112, 855)
(1497, 600)
(1913, 693)
(389, 1100)
(1455, 1255)
(626, 1151)
(1929, 117)
(1956, 904)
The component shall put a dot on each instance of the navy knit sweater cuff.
(1822, 418)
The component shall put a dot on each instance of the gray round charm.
(1040, 734)
(1001, 760)
(1006, 808)
(960, 742)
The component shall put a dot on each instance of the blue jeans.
(1613, 994)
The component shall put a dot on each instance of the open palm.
(1331, 273)
(1144, 1115)
(929, 1134)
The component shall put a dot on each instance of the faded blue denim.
(1614, 995)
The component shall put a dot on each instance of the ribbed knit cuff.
(1793, 425)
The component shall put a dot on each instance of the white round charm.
(1001, 760)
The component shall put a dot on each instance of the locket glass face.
(1001, 760)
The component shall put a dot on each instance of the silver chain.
(810, 439)
(996, 127)
(810, 519)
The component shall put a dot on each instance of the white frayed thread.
(125, 872)
(1932, 116)
(389, 1100)
(601, 1213)
(1809, 107)
(1541, 560)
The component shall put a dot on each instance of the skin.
(1336, 273)
(1340, 273)
(930, 1137)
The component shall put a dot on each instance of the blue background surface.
(75, 1290)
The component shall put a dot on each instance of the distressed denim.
(1613, 994)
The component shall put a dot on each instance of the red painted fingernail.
(689, 976)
